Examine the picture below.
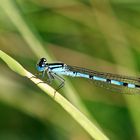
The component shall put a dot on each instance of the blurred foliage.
(101, 35)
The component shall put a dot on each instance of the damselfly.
(115, 82)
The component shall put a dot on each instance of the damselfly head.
(42, 64)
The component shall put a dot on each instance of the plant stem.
(91, 129)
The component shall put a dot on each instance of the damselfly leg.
(62, 81)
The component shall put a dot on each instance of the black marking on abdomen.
(74, 72)
(125, 84)
(108, 80)
(137, 86)
(91, 76)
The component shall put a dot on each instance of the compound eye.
(43, 59)
(41, 64)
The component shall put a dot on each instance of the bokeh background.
(103, 35)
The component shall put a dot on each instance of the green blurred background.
(97, 34)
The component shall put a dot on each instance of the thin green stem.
(14, 14)
(93, 131)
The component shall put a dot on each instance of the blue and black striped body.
(111, 81)
(119, 83)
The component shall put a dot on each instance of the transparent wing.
(116, 88)
(112, 87)
(117, 77)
